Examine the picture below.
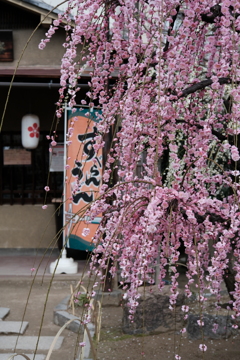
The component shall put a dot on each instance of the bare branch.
(215, 12)
(202, 85)
(174, 18)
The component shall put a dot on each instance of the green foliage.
(81, 299)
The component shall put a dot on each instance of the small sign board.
(16, 157)
(56, 159)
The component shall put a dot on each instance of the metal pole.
(64, 174)
(64, 265)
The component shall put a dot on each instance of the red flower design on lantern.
(34, 130)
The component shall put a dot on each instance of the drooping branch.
(135, 98)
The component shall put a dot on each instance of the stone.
(4, 312)
(19, 357)
(63, 305)
(61, 317)
(113, 298)
(29, 342)
(153, 315)
(223, 331)
(13, 327)
(86, 350)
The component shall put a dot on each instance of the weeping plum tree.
(174, 106)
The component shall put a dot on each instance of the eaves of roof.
(37, 6)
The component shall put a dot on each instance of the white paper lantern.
(30, 131)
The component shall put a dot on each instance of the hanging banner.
(83, 179)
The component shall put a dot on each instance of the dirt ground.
(114, 345)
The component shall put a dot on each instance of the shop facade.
(24, 173)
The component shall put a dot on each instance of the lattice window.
(12, 17)
(24, 183)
